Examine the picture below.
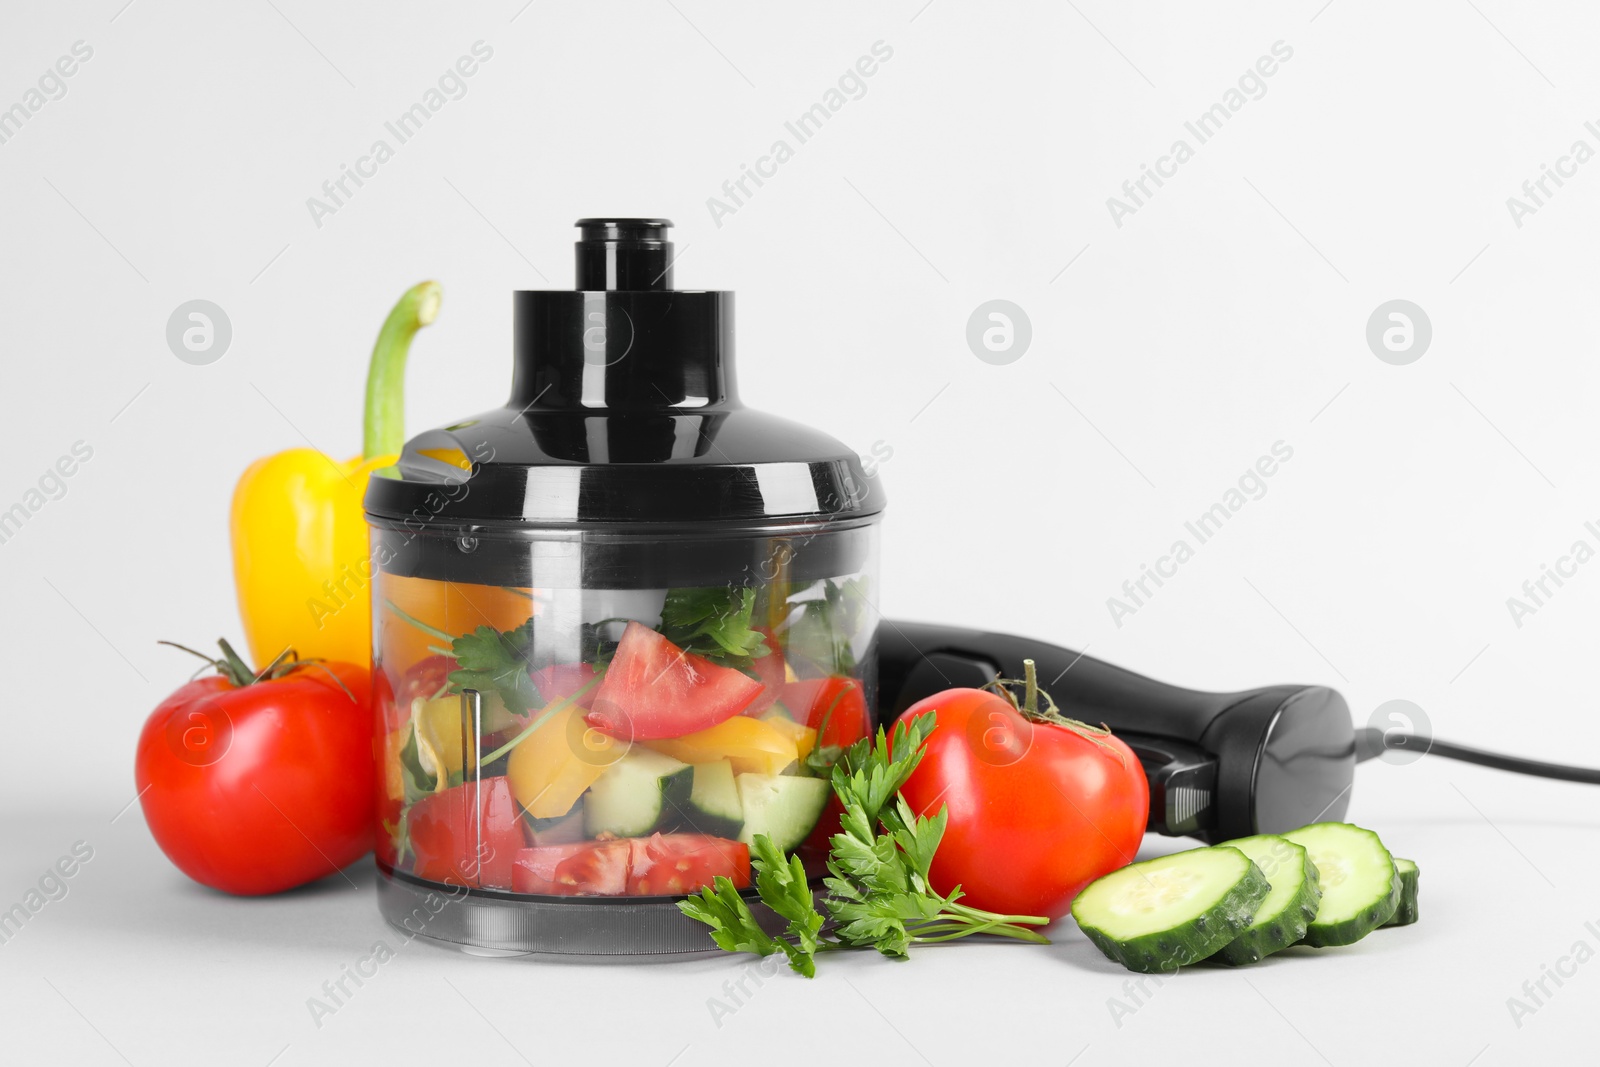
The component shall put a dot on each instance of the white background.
(1226, 314)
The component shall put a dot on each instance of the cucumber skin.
(1165, 952)
(1332, 935)
(674, 788)
(710, 825)
(1406, 913)
(1253, 945)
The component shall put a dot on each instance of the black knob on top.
(630, 254)
(624, 339)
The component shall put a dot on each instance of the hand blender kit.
(623, 552)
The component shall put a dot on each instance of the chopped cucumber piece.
(1289, 906)
(637, 794)
(785, 807)
(714, 806)
(1360, 886)
(1162, 914)
(557, 830)
(1406, 913)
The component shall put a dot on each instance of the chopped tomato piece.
(654, 689)
(584, 868)
(561, 680)
(673, 864)
(835, 707)
(771, 671)
(660, 865)
(446, 844)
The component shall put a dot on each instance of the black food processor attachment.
(622, 480)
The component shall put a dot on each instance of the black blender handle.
(1086, 688)
(1219, 765)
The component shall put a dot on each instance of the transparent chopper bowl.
(460, 812)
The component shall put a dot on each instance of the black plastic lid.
(623, 412)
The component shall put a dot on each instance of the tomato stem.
(232, 666)
(1051, 712)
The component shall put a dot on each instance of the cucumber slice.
(1406, 913)
(1360, 887)
(1289, 906)
(714, 807)
(637, 794)
(785, 807)
(1162, 914)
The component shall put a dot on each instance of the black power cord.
(1372, 742)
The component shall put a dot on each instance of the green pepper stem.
(383, 429)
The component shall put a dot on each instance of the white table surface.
(1169, 351)
(137, 964)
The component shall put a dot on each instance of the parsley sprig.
(820, 632)
(877, 893)
(496, 661)
(488, 660)
(714, 623)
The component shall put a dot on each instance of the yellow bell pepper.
(753, 746)
(551, 767)
(301, 557)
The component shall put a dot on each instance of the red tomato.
(584, 868)
(654, 689)
(814, 850)
(562, 680)
(834, 707)
(259, 788)
(441, 829)
(424, 678)
(659, 865)
(771, 673)
(673, 864)
(1036, 810)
